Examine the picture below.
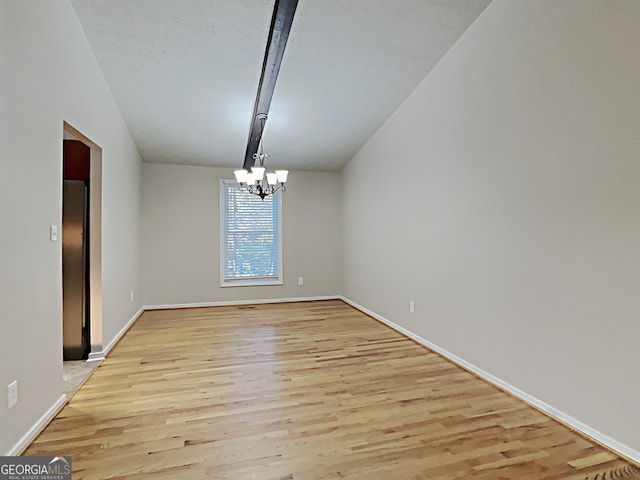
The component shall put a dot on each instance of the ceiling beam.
(283, 12)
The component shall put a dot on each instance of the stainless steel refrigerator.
(75, 284)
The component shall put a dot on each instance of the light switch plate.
(12, 394)
(53, 233)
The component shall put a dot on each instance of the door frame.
(95, 240)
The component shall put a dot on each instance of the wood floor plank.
(302, 391)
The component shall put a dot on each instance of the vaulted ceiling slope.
(185, 74)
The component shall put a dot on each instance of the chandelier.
(254, 181)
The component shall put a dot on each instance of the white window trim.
(255, 281)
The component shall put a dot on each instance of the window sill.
(251, 282)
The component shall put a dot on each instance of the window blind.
(250, 234)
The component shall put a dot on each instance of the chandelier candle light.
(254, 183)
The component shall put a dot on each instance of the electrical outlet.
(12, 394)
(131, 296)
(412, 307)
(53, 233)
(300, 280)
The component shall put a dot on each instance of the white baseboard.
(96, 356)
(597, 436)
(99, 356)
(122, 331)
(241, 302)
(35, 430)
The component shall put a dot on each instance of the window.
(251, 240)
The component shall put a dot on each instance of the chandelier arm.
(261, 187)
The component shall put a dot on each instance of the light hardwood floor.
(302, 391)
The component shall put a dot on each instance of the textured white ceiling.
(185, 73)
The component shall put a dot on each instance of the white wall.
(48, 75)
(512, 212)
(180, 225)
